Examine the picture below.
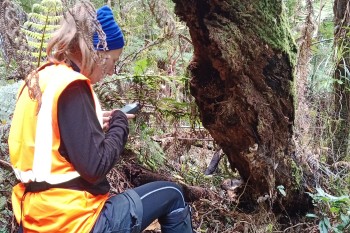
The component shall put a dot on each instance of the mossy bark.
(341, 125)
(242, 80)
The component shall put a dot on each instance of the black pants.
(159, 199)
(133, 210)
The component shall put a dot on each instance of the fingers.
(107, 117)
(107, 113)
(130, 116)
(106, 125)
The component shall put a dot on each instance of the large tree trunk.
(341, 87)
(242, 80)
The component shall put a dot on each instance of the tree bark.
(242, 80)
(341, 127)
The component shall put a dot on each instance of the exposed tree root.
(139, 175)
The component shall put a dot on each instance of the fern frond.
(51, 28)
(36, 36)
(41, 18)
(13, 41)
(38, 55)
(48, 6)
(39, 26)
(42, 22)
(34, 44)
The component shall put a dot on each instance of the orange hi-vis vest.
(34, 141)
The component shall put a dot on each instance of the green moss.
(272, 26)
(297, 174)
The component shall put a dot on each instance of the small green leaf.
(309, 215)
(322, 227)
(281, 190)
(327, 223)
(140, 67)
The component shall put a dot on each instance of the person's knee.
(176, 194)
(174, 185)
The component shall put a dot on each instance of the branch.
(186, 38)
(214, 162)
(139, 175)
(7, 165)
(134, 55)
(180, 138)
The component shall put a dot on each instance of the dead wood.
(214, 162)
(6, 164)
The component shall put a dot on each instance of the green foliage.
(326, 29)
(140, 67)
(7, 180)
(322, 62)
(194, 176)
(275, 32)
(290, 7)
(4, 133)
(8, 100)
(150, 152)
(42, 22)
(173, 108)
(27, 4)
(297, 174)
(334, 212)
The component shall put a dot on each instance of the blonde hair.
(73, 41)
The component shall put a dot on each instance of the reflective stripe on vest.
(41, 170)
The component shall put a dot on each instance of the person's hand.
(107, 115)
(130, 116)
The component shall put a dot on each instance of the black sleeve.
(83, 142)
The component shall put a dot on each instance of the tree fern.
(42, 22)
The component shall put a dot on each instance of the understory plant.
(333, 211)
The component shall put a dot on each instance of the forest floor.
(215, 199)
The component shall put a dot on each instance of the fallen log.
(139, 175)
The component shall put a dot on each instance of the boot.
(178, 221)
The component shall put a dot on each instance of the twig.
(291, 227)
(134, 55)
(200, 224)
(179, 138)
(341, 164)
(186, 38)
(245, 186)
(6, 164)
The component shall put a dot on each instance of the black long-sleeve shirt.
(83, 142)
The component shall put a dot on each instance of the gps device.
(131, 108)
